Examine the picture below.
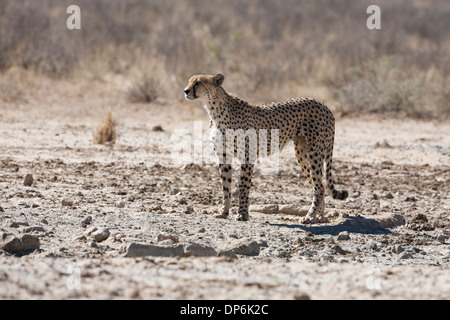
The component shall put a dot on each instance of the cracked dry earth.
(127, 221)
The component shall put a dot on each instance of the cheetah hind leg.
(245, 182)
(301, 153)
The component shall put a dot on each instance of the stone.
(343, 235)
(143, 250)
(101, 234)
(28, 181)
(388, 195)
(198, 250)
(339, 250)
(34, 229)
(67, 203)
(165, 236)
(398, 249)
(12, 243)
(243, 246)
(120, 204)
(441, 238)
(86, 221)
(227, 253)
(265, 208)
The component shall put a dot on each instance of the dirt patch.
(88, 204)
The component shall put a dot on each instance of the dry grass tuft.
(107, 131)
(144, 90)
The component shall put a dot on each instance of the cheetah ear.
(218, 79)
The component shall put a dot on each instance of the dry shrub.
(107, 131)
(262, 46)
(143, 90)
(382, 86)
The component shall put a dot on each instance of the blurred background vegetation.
(267, 49)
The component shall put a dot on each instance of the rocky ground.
(135, 220)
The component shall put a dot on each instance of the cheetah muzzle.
(309, 123)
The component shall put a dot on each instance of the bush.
(143, 90)
(381, 86)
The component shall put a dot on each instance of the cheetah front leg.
(225, 175)
(245, 182)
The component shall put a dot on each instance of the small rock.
(28, 181)
(343, 235)
(406, 255)
(101, 235)
(2, 210)
(157, 128)
(11, 243)
(12, 224)
(243, 246)
(388, 195)
(86, 221)
(302, 296)
(120, 204)
(93, 245)
(199, 250)
(441, 238)
(67, 203)
(398, 249)
(201, 230)
(227, 253)
(372, 245)
(142, 250)
(336, 248)
(34, 229)
(166, 236)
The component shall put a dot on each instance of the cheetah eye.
(195, 84)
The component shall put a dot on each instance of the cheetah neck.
(217, 105)
(221, 106)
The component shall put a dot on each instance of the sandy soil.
(397, 173)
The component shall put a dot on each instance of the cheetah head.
(200, 86)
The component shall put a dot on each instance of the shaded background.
(267, 49)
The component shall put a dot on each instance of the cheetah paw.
(242, 217)
(221, 216)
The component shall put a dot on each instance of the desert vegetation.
(268, 49)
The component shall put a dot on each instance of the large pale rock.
(245, 246)
(143, 250)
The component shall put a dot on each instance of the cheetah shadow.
(353, 224)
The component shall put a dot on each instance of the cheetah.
(309, 123)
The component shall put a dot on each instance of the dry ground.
(397, 173)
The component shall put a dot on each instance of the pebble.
(67, 203)
(343, 235)
(28, 181)
(388, 195)
(120, 204)
(86, 221)
(398, 249)
(101, 234)
(165, 236)
(441, 238)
